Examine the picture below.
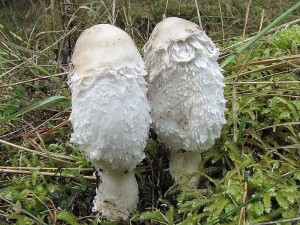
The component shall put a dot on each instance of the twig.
(281, 95)
(270, 67)
(9, 171)
(199, 16)
(55, 128)
(245, 194)
(57, 157)
(270, 60)
(27, 81)
(261, 20)
(246, 20)
(279, 125)
(264, 82)
(279, 221)
(44, 168)
(51, 118)
(222, 22)
(165, 13)
(114, 12)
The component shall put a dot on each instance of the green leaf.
(297, 104)
(67, 217)
(34, 176)
(267, 202)
(258, 208)
(16, 195)
(283, 202)
(38, 105)
(155, 215)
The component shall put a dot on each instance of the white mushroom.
(110, 114)
(185, 93)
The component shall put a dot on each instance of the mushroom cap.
(171, 29)
(104, 46)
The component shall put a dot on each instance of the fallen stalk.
(270, 60)
(57, 157)
(264, 82)
(58, 174)
(270, 67)
(279, 221)
(43, 168)
(28, 81)
(279, 125)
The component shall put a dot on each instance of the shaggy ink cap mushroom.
(185, 91)
(110, 114)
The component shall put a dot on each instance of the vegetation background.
(250, 176)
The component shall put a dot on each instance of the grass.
(45, 179)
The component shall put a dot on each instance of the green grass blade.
(259, 35)
(7, 31)
(41, 69)
(35, 106)
(23, 210)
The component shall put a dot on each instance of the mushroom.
(185, 93)
(110, 114)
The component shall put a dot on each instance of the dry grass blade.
(27, 172)
(280, 221)
(44, 168)
(246, 20)
(263, 82)
(279, 125)
(270, 64)
(61, 158)
(32, 80)
(41, 52)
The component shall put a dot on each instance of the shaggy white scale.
(185, 93)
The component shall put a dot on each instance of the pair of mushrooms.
(111, 113)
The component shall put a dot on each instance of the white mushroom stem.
(184, 167)
(116, 195)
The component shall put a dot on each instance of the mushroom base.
(116, 195)
(184, 167)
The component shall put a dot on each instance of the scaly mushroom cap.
(110, 114)
(104, 46)
(185, 85)
(169, 30)
(110, 110)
